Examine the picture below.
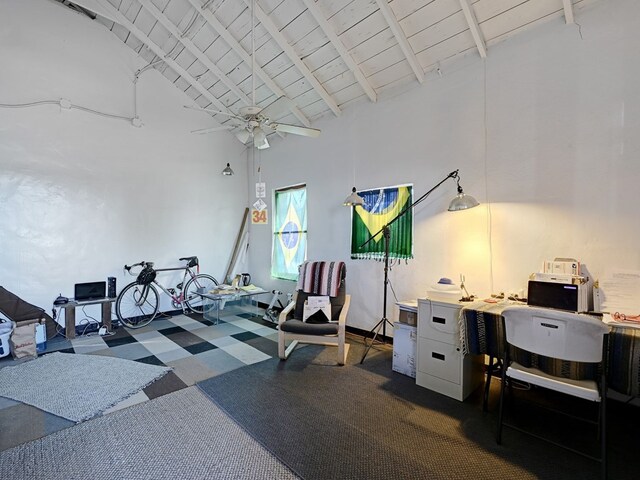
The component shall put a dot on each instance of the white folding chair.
(561, 336)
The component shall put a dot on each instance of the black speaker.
(111, 287)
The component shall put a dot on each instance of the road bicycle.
(138, 303)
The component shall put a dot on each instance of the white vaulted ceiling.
(322, 55)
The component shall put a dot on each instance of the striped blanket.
(321, 278)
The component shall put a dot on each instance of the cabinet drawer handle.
(439, 320)
(437, 356)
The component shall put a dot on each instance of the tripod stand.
(463, 202)
(382, 324)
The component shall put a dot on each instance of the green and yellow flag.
(380, 207)
(290, 233)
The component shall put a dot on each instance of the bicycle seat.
(193, 261)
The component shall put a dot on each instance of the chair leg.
(281, 347)
(487, 384)
(501, 407)
(603, 430)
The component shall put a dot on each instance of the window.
(289, 232)
(380, 207)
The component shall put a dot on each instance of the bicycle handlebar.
(140, 264)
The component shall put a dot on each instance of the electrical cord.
(67, 105)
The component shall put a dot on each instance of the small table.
(214, 302)
(70, 313)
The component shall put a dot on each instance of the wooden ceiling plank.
(428, 16)
(401, 39)
(235, 46)
(473, 27)
(568, 11)
(517, 18)
(195, 51)
(288, 50)
(120, 18)
(340, 48)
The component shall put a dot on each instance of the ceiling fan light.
(243, 136)
(260, 139)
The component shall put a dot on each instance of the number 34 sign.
(259, 216)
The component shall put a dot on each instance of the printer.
(562, 288)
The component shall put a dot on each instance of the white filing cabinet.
(441, 367)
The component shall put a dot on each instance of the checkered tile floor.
(195, 349)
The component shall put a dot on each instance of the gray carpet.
(76, 387)
(367, 422)
(181, 435)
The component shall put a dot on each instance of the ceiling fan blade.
(213, 129)
(218, 112)
(304, 131)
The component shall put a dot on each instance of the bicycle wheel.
(137, 305)
(201, 283)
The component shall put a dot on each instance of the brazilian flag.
(380, 207)
(290, 233)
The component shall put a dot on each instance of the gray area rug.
(76, 387)
(181, 435)
(367, 422)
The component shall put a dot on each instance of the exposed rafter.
(401, 38)
(140, 35)
(474, 28)
(313, 8)
(568, 11)
(191, 47)
(293, 56)
(213, 22)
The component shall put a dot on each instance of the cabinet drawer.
(441, 324)
(439, 359)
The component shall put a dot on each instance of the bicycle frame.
(188, 275)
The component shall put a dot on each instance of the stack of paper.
(620, 292)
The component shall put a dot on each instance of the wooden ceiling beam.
(568, 11)
(191, 47)
(118, 17)
(313, 8)
(472, 21)
(282, 42)
(214, 23)
(401, 38)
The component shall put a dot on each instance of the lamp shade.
(354, 199)
(227, 170)
(462, 202)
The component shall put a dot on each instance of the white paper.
(620, 292)
(318, 302)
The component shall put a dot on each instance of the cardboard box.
(408, 313)
(404, 349)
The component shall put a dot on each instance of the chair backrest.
(319, 271)
(555, 333)
(336, 303)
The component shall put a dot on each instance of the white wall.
(81, 194)
(560, 176)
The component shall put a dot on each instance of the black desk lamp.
(460, 202)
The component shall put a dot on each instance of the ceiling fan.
(253, 121)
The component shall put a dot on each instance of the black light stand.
(386, 232)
